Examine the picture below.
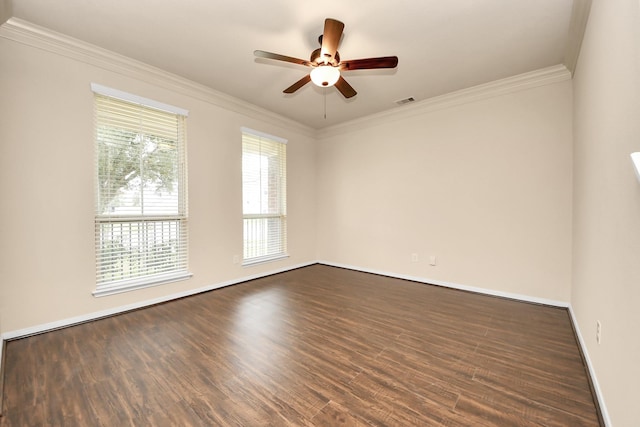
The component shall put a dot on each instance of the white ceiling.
(442, 45)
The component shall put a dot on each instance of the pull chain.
(325, 103)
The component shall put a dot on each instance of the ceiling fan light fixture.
(325, 62)
(325, 75)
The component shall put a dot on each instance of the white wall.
(606, 266)
(484, 186)
(47, 175)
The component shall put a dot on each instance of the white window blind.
(264, 196)
(141, 206)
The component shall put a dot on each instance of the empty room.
(287, 213)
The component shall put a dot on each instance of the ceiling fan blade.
(345, 88)
(278, 57)
(331, 38)
(297, 85)
(369, 63)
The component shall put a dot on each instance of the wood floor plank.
(334, 414)
(316, 346)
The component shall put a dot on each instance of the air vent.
(405, 101)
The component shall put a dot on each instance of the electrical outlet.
(598, 331)
(414, 257)
(432, 260)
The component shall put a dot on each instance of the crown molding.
(542, 77)
(24, 32)
(6, 10)
(577, 27)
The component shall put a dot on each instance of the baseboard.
(508, 295)
(593, 379)
(21, 333)
(46, 327)
(51, 326)
(38, 329)
(3, 343)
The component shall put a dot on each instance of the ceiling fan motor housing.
(317, 59)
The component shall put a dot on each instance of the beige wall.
(491, 188)
(485, 187)
(606, 281)
(46, 181)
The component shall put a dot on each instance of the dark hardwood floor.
(317, 346)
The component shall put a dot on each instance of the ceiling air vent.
(405, 101)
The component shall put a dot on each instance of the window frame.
(142, 222)
(280, 215)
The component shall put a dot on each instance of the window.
(635, 158)
(264, 197)
(140, 206)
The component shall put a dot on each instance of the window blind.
(141, 206)
(264, 196)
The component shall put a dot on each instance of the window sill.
(263, 260)
(140, 283)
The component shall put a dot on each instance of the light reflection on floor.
(258, 319)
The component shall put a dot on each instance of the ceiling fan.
(326, 64)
